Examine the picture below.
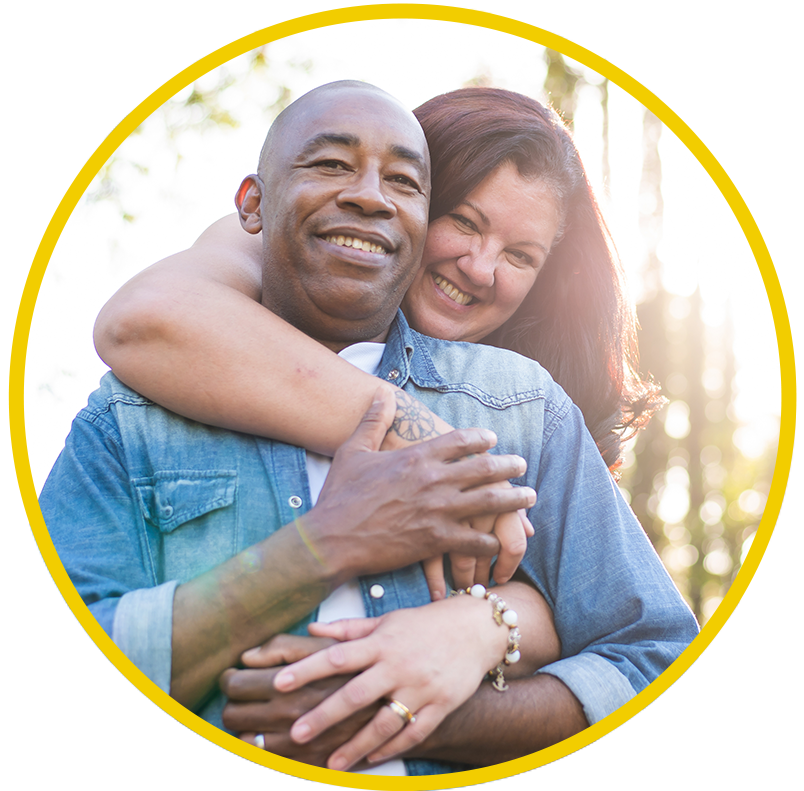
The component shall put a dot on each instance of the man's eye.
(406, 180)
(331, 164)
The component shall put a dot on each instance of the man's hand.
(382, 511)
(255, 707)
(430, 658)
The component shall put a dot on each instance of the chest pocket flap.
(171, 498)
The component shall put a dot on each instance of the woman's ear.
(248, 199)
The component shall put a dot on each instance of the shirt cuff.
(597, 684)
(143, 630)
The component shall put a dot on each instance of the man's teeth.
(452, 292)
(357, 244)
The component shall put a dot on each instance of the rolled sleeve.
(620, 619)
(597, 684)
(143, 629)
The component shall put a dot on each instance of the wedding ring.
(402, 710)
(259, 740)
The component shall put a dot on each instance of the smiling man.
(192, 544)
(343, 244)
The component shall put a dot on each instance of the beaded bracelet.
(503, 616)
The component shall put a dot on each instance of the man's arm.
(405, 506)
(491, 728)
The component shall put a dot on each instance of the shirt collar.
(407, 357)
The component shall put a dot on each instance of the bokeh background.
(697, 478)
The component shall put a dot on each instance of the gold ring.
(402, 710)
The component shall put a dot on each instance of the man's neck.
(339, 346)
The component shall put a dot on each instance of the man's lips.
(451, 291)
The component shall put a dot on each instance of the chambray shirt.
(141, 500)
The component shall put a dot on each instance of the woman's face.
(482, 258)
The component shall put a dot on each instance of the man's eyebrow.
(329, 139)
(403, 152)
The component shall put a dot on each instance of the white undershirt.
(347, 601)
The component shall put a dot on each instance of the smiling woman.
(482, 258)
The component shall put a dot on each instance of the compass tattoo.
(413, 421)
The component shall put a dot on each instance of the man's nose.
(479, 264)
(366, 193)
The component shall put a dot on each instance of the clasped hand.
(430, 658)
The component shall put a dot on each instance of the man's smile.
(356, 243)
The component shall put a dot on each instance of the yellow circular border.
(447, 14)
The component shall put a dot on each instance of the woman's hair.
(577, 321)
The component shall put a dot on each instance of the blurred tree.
(196, 110)
(561, 85)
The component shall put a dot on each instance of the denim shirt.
(142, 500)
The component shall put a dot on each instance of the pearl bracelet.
(503, 616)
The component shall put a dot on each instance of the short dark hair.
(577, 321)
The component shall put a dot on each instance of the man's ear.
(248, 200)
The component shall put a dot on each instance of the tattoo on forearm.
(413, 421)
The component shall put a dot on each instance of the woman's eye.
(464, 221)
(520, 258)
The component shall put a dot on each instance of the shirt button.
(376, 591)
(167, 511)
(295, 501)
(393, 374)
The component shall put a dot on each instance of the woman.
(510, 203)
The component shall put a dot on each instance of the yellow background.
(76, 71)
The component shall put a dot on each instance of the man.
(162, 523)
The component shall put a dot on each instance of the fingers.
(345, 629)
(463, 569)
(495, 500)
(371, 431)
(336, 660)
(460, 443)
(427, 720)
(530, 531)
(513, 542)
(487, 469)
(284, 649)
(434, 574)
(248, 685)
(356, 694)
(384, 726)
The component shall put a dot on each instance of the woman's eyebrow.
(478, 211)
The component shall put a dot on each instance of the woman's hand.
(431, 659)
(512, 530)
(256, 709)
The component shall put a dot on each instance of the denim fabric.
(141, 500)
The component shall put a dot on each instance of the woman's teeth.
(452, 292)
(356, 244)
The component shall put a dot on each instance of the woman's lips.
(452, 291)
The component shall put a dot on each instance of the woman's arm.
(430, 658)
(190, 333)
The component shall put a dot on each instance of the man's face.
(344, 215)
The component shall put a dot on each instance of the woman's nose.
(479, 265)
(365, 193)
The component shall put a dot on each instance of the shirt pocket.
(191, 520)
